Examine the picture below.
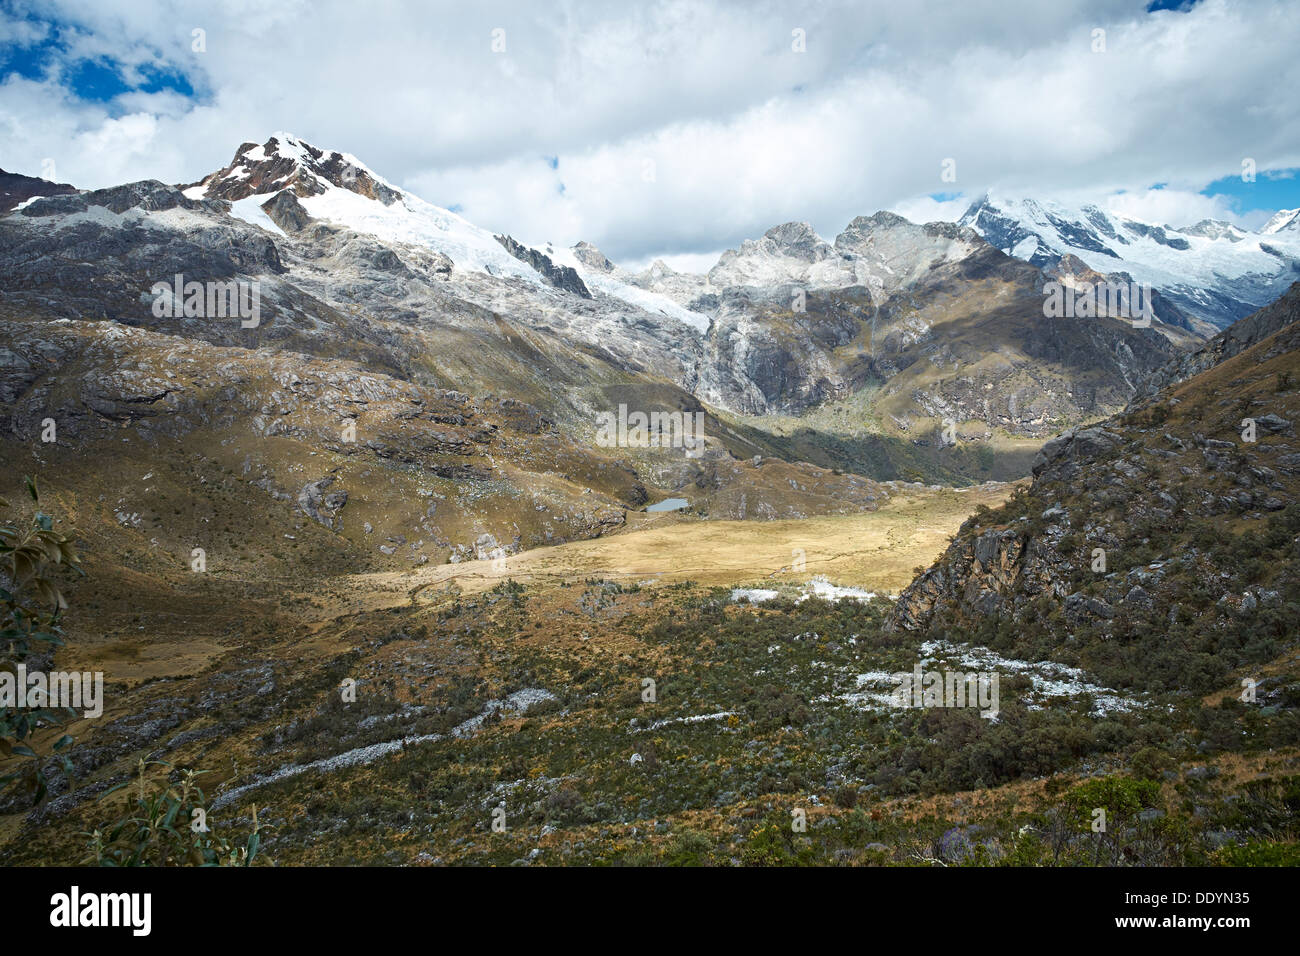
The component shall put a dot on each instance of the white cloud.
(698, 262)
(1175, 207)
(738, 130)
(928, 209)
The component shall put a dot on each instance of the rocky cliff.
(1166, 531)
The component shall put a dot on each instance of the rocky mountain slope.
(17, 190)
(397, 473)
(867, 347)
(920, 324)
(1158, 547)
(1231, 341)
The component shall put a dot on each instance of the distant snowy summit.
(337, 187)
(1212, 270)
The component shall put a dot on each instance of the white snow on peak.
(1282, 219)
(414, 221)
(408, 220)
(1025, 247)
(1207, 262)
(249, 209)
(292, 147)
(644, 299)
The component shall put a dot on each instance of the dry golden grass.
(874, 550)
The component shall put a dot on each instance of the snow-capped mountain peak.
(1215, 229)
(286, 162)
(337, 187)
(1213, 270)
(1283, 219)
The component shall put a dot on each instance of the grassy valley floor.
(518, 696)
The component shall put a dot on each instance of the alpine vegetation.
(655, 429)
(929, 688)
(711, 435)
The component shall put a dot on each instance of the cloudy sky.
(677, 129)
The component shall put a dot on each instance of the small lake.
(668, 504)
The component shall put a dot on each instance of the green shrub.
(166, 825)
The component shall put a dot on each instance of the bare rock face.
(148, 195)
(286, 162)
(286, 212)
(323, 506)
(982, 574)
(561, 277)
(592, 257)
(1074, 449)
(785, 254)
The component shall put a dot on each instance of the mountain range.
(1212, 271)
(852, 354)
(311, 428)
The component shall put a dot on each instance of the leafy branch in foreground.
(167, 825)
(31, 602)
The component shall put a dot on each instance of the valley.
(374, 564)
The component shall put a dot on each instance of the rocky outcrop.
(1131, 485)
(560, 277)
(791, 253)
(1074, 449)
(148, 195)
(286, 212)
(323, 506)
(985, 572)
(15, 189)
(592, 258)
(286, 162)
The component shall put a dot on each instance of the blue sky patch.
(94, 80)
(1271, 190)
